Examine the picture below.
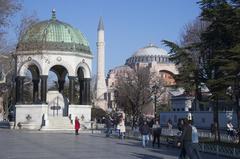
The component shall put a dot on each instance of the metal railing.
(204, 147)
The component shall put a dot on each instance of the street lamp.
(154, 90)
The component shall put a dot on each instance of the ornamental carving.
(59, 58)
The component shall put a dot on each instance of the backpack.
(194, 135)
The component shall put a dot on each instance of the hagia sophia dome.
(148, 54)
(151, 56)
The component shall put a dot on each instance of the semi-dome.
(151, 50)
(53, 35)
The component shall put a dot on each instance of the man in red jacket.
(77, 125)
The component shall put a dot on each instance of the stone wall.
(202, 119)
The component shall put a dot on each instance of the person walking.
(108, 126)
(170, 126)
(150, 123)
(122, 128)
(77, 125)
(170, 132)
(230, 130)
(156, 130)
(182, 154)
(180, 125)
(186, 139)
(195, 142)
(145, 131)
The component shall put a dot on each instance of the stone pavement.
(38, 145)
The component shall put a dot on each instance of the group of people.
(149, 130)
(120, 126)
(188, 139)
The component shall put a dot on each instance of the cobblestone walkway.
(38, 145)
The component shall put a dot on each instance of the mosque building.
(152, 57)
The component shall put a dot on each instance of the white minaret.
(101, 87)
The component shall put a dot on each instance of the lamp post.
(154, 90)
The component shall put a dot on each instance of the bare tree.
(7, 68)
(159, 93)
(133, 92)
(26, 22)
(6, 81)
(7, 9)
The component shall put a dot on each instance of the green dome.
(53, 35)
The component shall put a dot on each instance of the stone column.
(87, 91)
(81, 91)
(19, 89)
(35, 90)
(61, 85)
(43, 88)
(71, 89)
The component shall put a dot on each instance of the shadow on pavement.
(146, 156)
(128, 143)
(165, 151)
(100, 136)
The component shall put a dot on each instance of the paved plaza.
(38, 145)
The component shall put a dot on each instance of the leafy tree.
(188, 59)
(213, 57)
(220, 48)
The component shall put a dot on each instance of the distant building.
(151, 57)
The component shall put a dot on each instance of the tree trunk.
(1, 108)
(133, 122)
(134, 117)
(215, 120)
(238, 116)
(196, 98)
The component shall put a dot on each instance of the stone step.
(59, 123)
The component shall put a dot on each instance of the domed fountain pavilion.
(58, 47)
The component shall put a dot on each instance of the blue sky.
(129, 24)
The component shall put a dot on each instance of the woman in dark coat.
(156, 133)
(77, 125)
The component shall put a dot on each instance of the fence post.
(234, 151)
(202, 147)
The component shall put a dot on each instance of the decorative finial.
(53, 14)
(100, 24)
